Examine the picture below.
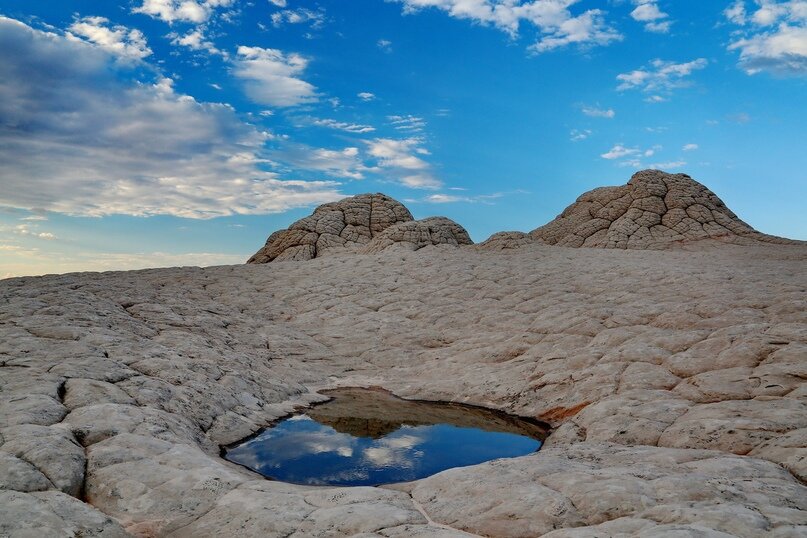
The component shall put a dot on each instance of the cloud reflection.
(304, 451)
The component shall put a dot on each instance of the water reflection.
(366, 437)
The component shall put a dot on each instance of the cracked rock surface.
(415, 235)
(333, 227)
(675, 381)
(655, 210)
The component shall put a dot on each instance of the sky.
(149, 133)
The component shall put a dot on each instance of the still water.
(365, 437)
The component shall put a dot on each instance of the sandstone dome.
(654, 210)
(347, 223)
(364, 223)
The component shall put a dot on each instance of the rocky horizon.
(654, 210)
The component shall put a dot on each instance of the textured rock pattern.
(347, 223)
(505, 241)
(654, 210)
(612, 490)
(417, 234)
(676, 380)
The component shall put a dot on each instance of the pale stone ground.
(676, 380)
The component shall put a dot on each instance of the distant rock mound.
(363, 223)
(505, 241)
(653, 211)
(417, 234)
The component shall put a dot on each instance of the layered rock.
(653, 211)
(347, 223)
(417, 234)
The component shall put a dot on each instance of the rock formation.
(653, 211)
(347, 223)
(417, 234)
(505, 241)
(365, 223)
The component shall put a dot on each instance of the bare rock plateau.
(672, 367)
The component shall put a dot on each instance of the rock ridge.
(653, 211)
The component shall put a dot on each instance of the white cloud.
(366, 96)
(736, 12)
(773, 38)
(618, 151)
(170, 11)
(690, 147)
(31, 231)
(420, 181)
(385, 45)
(596, 112)
(587, 29)
(196, 40)
(553, 20)
(119, 40)
(655, 99)
(648, 12)
(660, 76)
(662, 27)
(577, 135)
(299, 16)
(272, 77)
(338, 163)
(441, 198)
(278, 3)
(343, 126)
(397, 153)
(407, 123)
(771, 11)
(445, 199)
(75, 139)
(668, 165)
(631, 156)
(401, 156)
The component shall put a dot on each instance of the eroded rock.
(654, 210)
(347, 223)
(415, 235)
(505, 241)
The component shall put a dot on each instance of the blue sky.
(139, 133)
